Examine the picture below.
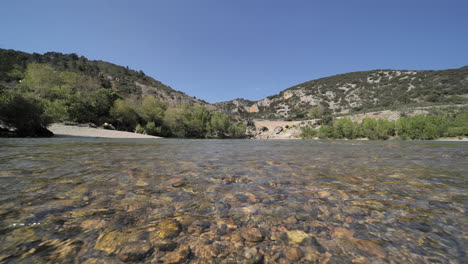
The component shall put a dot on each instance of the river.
(79, 200)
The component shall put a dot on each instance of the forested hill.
(356, 91)
(37, 90)
(123, 81)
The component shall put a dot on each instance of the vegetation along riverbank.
(37, 90)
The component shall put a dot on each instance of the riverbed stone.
(252, 234)
(177, 182)
(93, 224)
(297, 236)
(197, 227)
(341, 232)
(165, 245)
(371, 247)
(293, 254)
(178, 256)
(169, 228)
(135, 251)
(111, 241)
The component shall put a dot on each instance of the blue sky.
(219, 50)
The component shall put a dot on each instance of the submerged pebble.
(228, 201)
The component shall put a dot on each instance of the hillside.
(38, 90)
(357, 91)
(122, 80)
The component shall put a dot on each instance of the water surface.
(66, 200)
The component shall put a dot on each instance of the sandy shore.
(60, 130)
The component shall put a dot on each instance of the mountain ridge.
(354, 91)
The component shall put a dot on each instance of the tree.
(219, 125)
(385, 129)
(173, 122)
(237, 130)
(326, 131)
(316, 112)
(368, 128)
(344, 128)
(125, 116)
(25, 114)
(152, 109)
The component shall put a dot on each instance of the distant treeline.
(449, 123)
(45, 95)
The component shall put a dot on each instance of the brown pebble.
(179, 184)
(93, 224)
(371, 247)
(252, 234)
(178, 256)
(293, 254)
(135, 251)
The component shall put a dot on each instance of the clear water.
(68, 200)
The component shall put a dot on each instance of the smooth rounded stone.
(311, 254)
(178, 256)
(169, 228)
(293, 254)
(371, 247)
(135, 251)
(341, 232)
(253, 256)
(141, 183)
(111, 241)
(93, 224)
(166, 245)
(297, 236)
(252, 234)
(176, 182)
(279, 236)
(236, 236)
(206, 252)
(179, 184)
(215, 250)
(250, 252)
(197, 227)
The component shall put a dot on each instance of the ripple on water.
(232, 201)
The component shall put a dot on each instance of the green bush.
(139, 129)
(326, 131)
(308, 132)
(152, 129)
(345, 128)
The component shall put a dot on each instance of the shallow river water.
(72, 200)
